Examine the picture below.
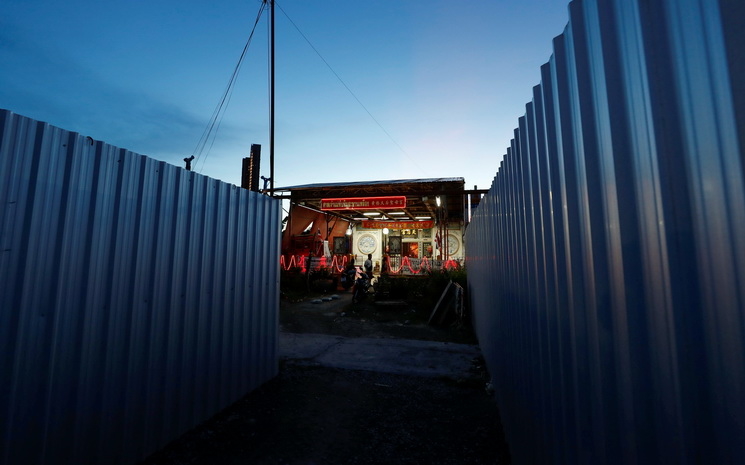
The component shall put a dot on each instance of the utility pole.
(271, 103)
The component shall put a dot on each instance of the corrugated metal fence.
(607, 263)
(136, 298)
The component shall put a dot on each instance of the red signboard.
(398, 224)
(364, 203)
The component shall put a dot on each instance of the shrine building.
(412, 221)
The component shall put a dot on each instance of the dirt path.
(315, 414)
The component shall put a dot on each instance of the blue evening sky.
(446, 80)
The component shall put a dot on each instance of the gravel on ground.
(321, 415)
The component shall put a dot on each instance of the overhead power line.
(210, 132)
(345, 84)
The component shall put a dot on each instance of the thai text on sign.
(398, 224)
(364, 203)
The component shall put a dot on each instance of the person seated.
(348, 276)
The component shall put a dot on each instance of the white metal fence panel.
(607, 262)
(136, 298)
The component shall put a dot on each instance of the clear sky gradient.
(446, 81)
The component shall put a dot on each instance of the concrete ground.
(358, 384)
(396, 356)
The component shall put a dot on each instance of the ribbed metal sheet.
(607, 263)
(136, 298)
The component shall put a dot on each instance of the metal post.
(271, 105)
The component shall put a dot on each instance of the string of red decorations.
(338, 263)
(301, 261)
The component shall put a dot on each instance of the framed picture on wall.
(410, 249)
(394, 245)
(427, 249)
(341, 245)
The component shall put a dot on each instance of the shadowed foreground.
(313, 414)
(317, 415)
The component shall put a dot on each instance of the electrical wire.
(214, 123)
(345, 85)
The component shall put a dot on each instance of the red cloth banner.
(398, 224)
(364, 203)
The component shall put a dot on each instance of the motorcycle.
(361, 286)
(347, 278)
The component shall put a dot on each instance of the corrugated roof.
(420, 194)
(370, 183)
